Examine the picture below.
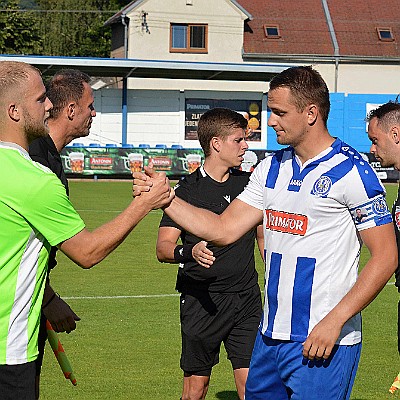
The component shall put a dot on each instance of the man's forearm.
(324, 335)
(200, 222)
(370, 282)
(89, 248)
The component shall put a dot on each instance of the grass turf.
(127, 345)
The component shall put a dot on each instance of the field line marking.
(140, 296)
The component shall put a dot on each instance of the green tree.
(19, 32)
(76, 27)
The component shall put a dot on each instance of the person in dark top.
(70, 118)
(384, 133)
(220, 296)
(360, 217)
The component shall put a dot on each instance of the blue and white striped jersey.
(311, 216)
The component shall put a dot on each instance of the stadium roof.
(125, 68)
(114, 67)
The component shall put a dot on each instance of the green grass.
(128, 347)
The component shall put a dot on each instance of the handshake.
(152, 187)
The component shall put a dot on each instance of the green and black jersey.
(35, 214)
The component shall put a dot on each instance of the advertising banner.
(119, 161)
(250, 109)
(81, 161)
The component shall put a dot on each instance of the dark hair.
(65, 86)
(388, 114)
(218, 122)
(306, 86)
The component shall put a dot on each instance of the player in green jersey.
(36, 214)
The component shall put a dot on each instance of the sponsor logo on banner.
(285, 222)
(161, 163)
(101, 162)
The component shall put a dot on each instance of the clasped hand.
(156, 183)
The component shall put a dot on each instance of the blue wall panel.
(346, 119)
(336, 115)
(355, 127)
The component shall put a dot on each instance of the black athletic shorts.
(17, 382)
(41, 343)
(208, 319)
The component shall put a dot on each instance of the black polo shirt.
(44, 151)
(234, 267)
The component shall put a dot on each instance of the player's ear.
(395, 133)
(71, 110)
(216, 143)
(14, 112)
(312, 113)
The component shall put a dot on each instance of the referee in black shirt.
(220, 297)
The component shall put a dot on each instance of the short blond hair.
(13, 74)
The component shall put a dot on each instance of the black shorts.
(208, 319)
(41, 343)
(17, 382)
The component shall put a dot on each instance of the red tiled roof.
(356, 23)
(304, 29)
(302, 26)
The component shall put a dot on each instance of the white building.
(356, 53)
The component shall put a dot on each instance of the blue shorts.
(279, 371)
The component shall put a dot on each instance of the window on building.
(385, 34)
(190, 38)
(272, 31)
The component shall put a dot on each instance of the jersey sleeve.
(367, 199)
(49, 211)
(253, 193)
(181, 191)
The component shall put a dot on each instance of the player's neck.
(15, 136)
(58, 134)
(313, 146)
(216, 170)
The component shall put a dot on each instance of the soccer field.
(127, 344)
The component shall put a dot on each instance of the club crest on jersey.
(397, 217)
(322, 186)
(285, 222)
(379, 206)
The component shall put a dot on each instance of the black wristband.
(183, 254)
(51, 299)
